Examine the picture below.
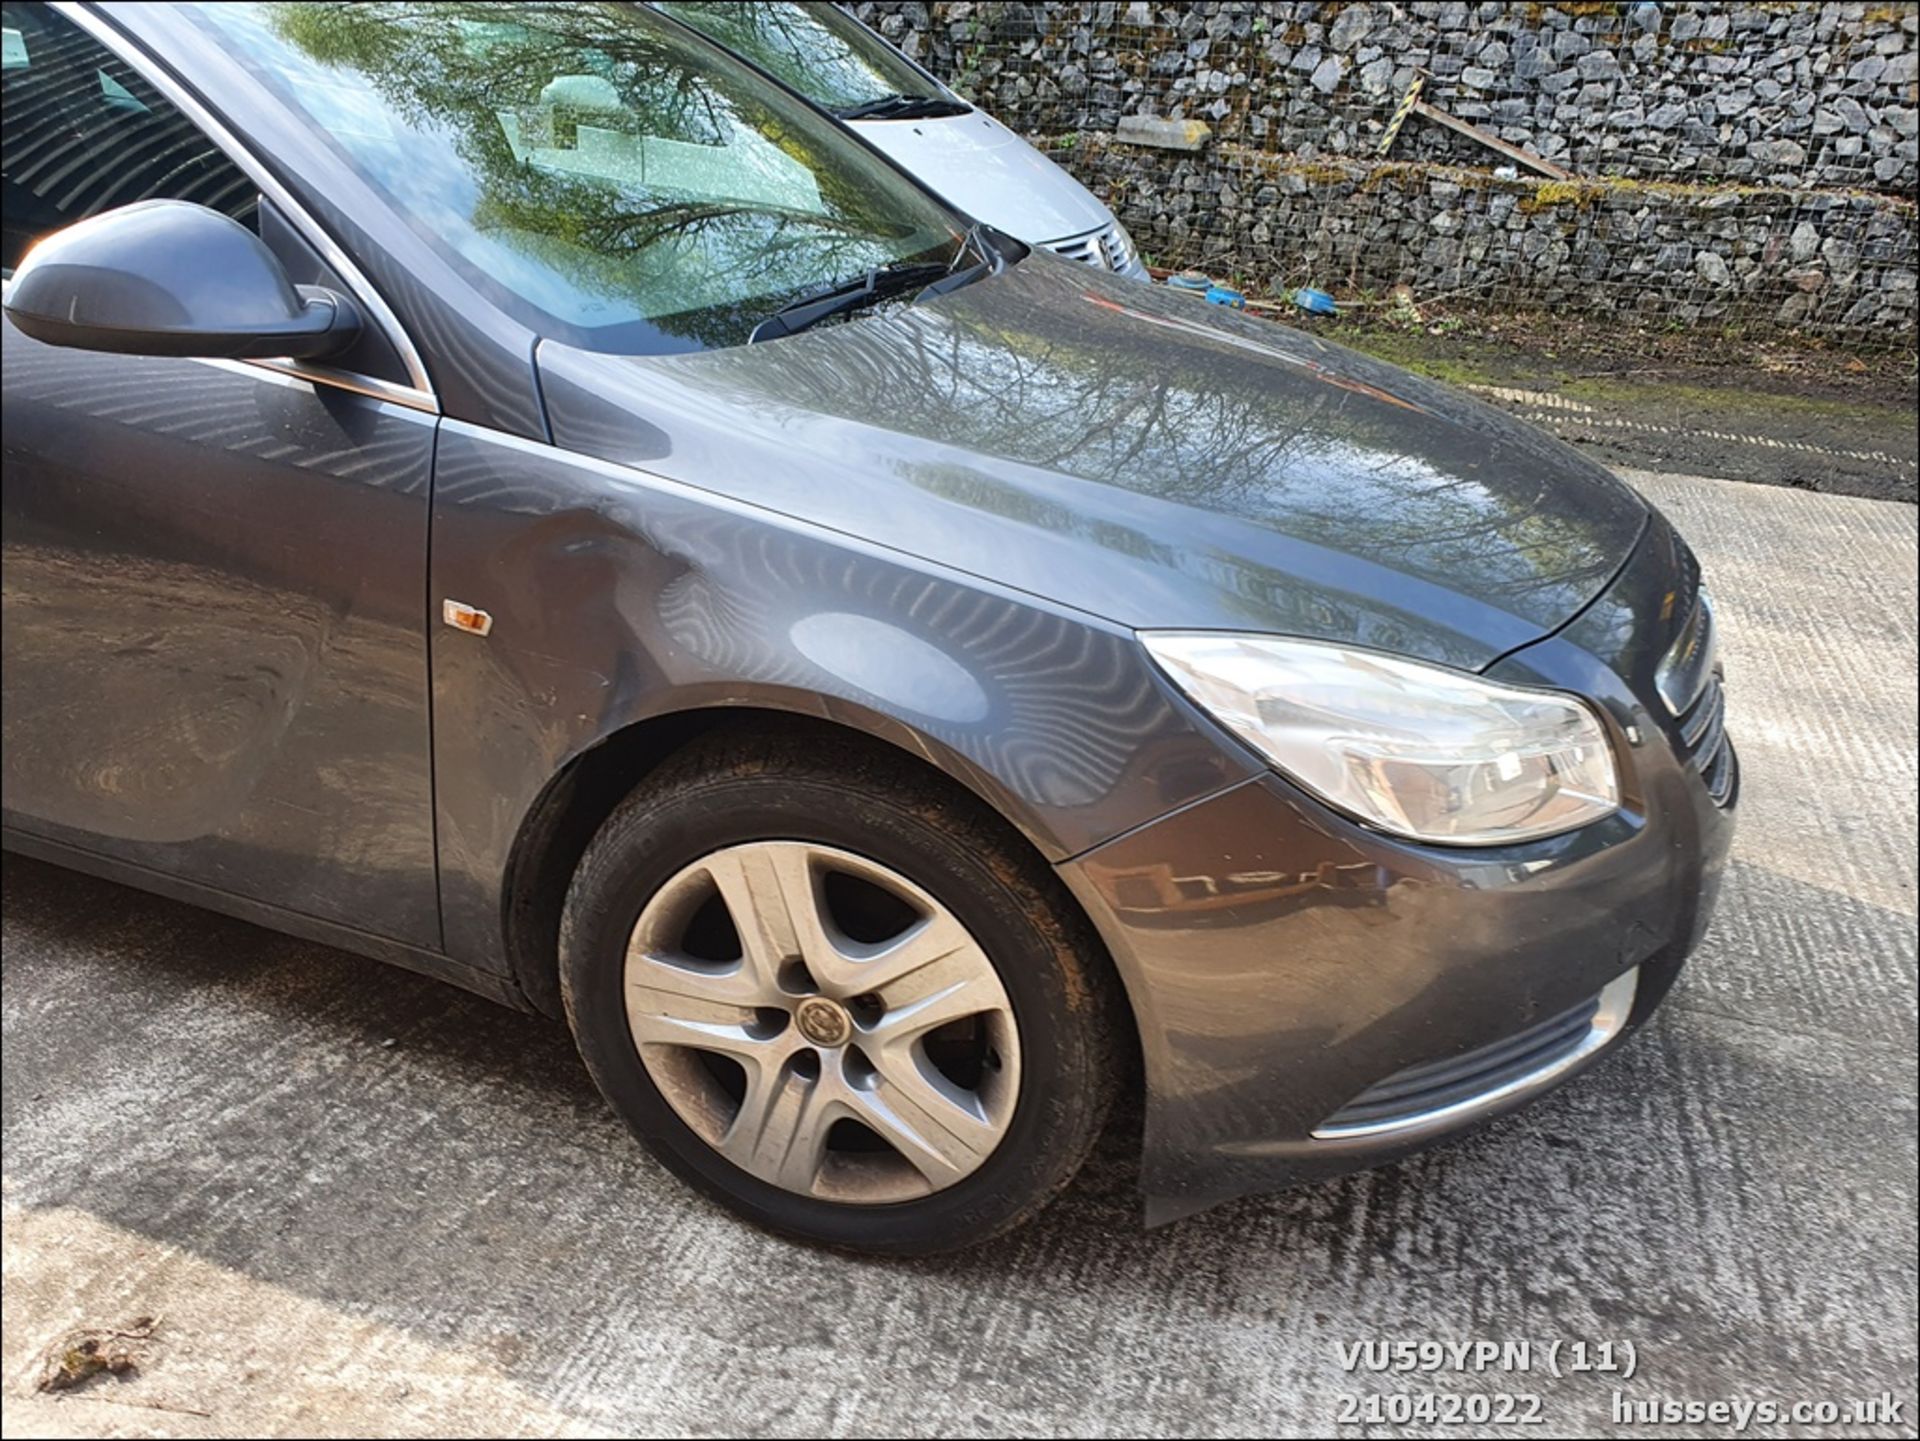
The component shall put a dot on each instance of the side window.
(84, 133)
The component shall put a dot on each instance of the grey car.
(513, 491)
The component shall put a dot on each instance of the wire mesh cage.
(1726, 166)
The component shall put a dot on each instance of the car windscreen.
(819, 50)
(602, 174)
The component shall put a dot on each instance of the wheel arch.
(579, 796)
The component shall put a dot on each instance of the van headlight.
(1418, 750)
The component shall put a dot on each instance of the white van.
(973, 160)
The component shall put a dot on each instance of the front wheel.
(837, 996)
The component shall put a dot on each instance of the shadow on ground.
(407, 1153)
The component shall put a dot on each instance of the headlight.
(1418, 750)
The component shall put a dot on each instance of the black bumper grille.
(1406, 1095)
(1690, 683)
(1703, 730)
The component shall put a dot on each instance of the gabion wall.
(1744, 165)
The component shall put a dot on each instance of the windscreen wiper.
(900, 107)
(881, 283)
(957, 275)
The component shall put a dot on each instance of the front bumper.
(1283, 962)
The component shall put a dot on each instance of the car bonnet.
(1133, 453)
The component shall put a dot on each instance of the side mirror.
(164, 277)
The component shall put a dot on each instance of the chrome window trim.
(1615, 1006)
(419, 393)
(287, 372)
(368, 385)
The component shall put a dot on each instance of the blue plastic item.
(1318, 302)
(1214, 293)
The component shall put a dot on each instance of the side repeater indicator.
(469, 618)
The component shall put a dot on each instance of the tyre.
(837, 995)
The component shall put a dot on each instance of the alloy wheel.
(822, 1022)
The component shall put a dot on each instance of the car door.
(214, 572)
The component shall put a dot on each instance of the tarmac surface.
(353, 1200)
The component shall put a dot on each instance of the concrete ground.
(1788, 415)
(357, 1201)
